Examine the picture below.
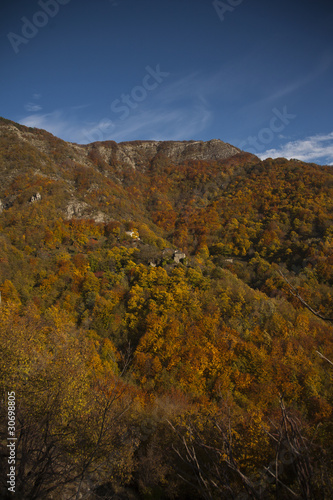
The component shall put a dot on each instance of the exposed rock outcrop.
(138, 153)
(35, 197)
(81, 210)
(76, 209)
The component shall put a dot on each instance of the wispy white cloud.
(31, 107)
(178, 110)
(58, 122)
(177, 124)
(155, 124)
(317, 148)
(175, 111)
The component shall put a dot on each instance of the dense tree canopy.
(135, 370)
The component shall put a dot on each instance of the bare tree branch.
(295, 293)
(322, 356)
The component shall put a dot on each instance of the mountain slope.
(150, 273)
(96, 178)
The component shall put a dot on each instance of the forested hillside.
(165, 320)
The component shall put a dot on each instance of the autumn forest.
(166, 321)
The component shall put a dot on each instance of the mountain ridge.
(133, 153)
(36, 150)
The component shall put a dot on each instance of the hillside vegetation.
(155, 320)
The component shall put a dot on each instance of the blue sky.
(255, 73)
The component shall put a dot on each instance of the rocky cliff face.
(138, 152)
(134, 154)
